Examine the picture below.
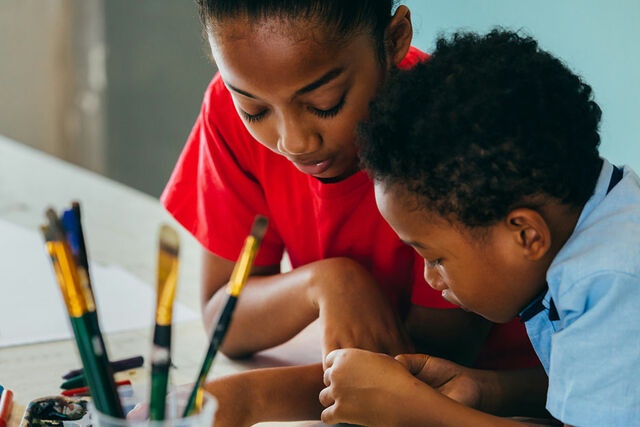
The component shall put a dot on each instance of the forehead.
(404, 212)
(281, 53)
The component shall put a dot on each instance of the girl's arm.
(274, 307)
(273, 394)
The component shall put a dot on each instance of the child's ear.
(530, 232)
(398, 36)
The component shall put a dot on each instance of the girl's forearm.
(272, 394)
(270, 311)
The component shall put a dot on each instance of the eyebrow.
(414, 244)
(331, 75)
(326, 78)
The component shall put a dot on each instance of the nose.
(296, 139)
(433, 278)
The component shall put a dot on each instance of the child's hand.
(354, 311)
(365, 388)
(452, 380)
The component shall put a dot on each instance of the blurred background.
(115, 85)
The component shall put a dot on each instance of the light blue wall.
(598, 39)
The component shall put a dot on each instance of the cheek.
(464, 283)
(263, 131)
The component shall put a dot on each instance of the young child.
(485, 160)
(276, 136)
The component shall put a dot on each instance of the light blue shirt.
(592, 353)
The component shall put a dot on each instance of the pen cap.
(6, 402)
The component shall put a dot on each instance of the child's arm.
(505, 393)
(376, 390)
(273, 394)
(275, 307)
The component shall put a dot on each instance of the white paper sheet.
(31, 306)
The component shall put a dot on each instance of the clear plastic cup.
(176, 401)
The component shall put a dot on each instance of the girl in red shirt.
(276, 136)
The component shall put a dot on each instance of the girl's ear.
(530, 232)
(398, 36)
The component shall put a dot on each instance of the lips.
(314, 168)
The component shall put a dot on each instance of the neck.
(562, 220)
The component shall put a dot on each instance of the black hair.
(340, 17)
(488, 124)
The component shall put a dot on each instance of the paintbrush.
(80, 304)
(167, 270)
(72, 229)
(236, 283)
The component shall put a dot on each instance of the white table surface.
(121, 229)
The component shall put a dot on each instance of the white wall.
(596, 39)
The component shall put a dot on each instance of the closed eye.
(253, 117)
(331, 112)
(434, 263)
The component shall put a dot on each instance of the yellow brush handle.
(168, 252)
(243, 266)
(67, 275)
(167, 283)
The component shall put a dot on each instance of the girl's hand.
(367, 388)
(353, 310)
(457, 382)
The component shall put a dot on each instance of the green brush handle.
(75, 382)
(160, 363)
(216, 340)
(98, 372)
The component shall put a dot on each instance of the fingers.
(413, 362)
(429, 369)
(333, 413)
(326, 398)
(328, 416)
(326, 377)
(331, 358)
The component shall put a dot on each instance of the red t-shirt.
(224, 177)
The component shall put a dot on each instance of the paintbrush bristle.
(46, 232)
(55, 229)
(168, 240)
(259, 227)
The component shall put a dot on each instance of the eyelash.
(254, 117)
(331, 112)
(434, 263)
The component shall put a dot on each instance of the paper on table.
(31, 306)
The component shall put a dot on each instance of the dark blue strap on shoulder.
(535, 306)
(616, 176)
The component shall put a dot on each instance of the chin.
(499, 317)
(336, 175)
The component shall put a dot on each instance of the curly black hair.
(486, 125)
